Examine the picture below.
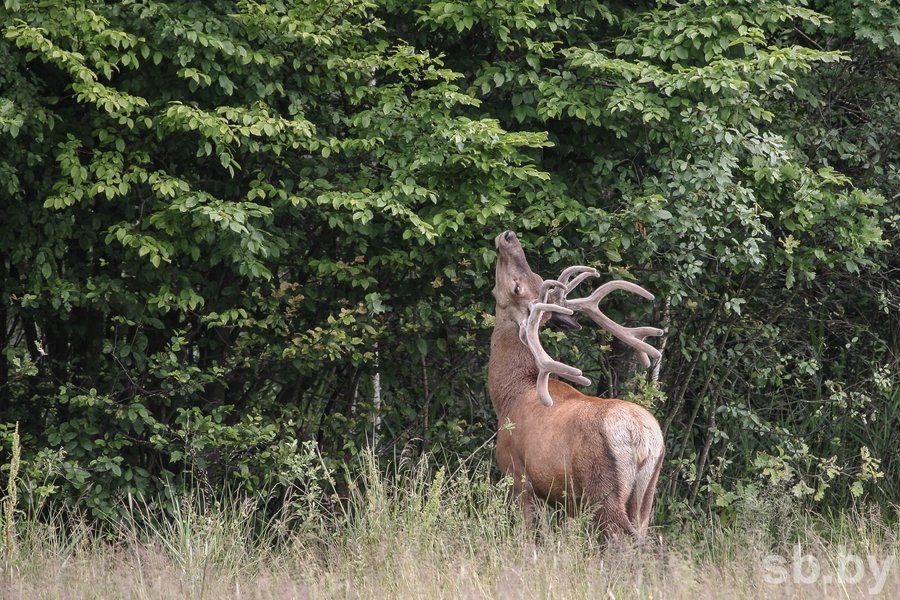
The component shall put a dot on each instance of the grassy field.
(422, 532)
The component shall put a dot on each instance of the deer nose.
(505, 239)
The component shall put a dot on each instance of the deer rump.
(557, 443)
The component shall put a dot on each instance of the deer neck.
(512, 372)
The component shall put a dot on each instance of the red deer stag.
(557, 443)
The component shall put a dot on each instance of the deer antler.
(552, 298)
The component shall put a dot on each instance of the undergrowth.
(421, 530)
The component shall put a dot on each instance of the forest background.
(237, 236)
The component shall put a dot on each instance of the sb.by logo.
(849, 569)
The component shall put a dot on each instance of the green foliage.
(203, 200)
(231, 227)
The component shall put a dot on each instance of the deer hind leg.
(611, 507)
(613, 518)
(646, 504)
(634, 505)
(640, 501)
(641, 491)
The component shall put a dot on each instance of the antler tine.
(576, 274)
(548, 287)
(633, 336)
(601, 292)
(529, 332)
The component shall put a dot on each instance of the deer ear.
(564, 322)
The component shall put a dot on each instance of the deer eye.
(517, 290)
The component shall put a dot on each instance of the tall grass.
(422, 531)
(10, 502)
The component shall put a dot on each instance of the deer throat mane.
(512, 371)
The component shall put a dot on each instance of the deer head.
(516, 286)
(523, 297)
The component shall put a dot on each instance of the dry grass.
(421, 534)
